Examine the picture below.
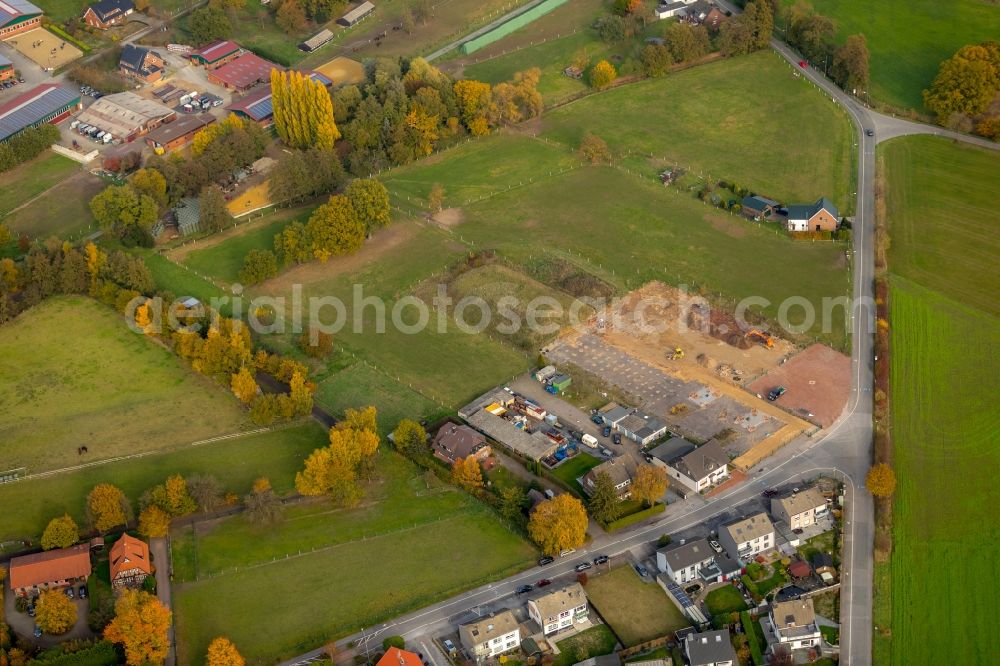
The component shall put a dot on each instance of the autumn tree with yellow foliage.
(881, 480)
(303, 111)
(334, 470)
(467, 474)
(107, 507)
(244, 386)
(558, 524)
(55, 613)
(649, 484)
(140, 625)
(474, 99)
(222, 652)
(61, 532)
(154, 522)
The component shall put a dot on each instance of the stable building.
(18, 16)
(356, 15)
(47, 103)
(216, 54)
(32, 574)
(170, 137)
(321, 38)
(130, 563)
(106, 13)
(243, 73)
(126, 115)
(141, 64)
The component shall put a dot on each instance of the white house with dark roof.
(684, 561)
(700, 469)
(799, 509)
(747, 537)
(820, 216)
(794, 624)
(710, 648)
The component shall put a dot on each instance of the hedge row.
(751, 631)
(62, 34)
(634, 518)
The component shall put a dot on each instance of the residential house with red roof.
(32, 574)
(130, 563)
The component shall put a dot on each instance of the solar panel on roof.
(32, 107)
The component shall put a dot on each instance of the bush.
(59, 32)
(27, 145)
(393, 641)
(634, 518)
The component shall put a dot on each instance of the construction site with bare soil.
(692, 365)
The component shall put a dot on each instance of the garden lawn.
(593, 642)
(235, 462)
(75, 375)
(941, 199)
(31, 179)
(633, 230)
(179, 280)
(908, 39)
(944, 333)
(358, 575)
(792, 144)
(725, 599)
(574, 468)
(637, 611)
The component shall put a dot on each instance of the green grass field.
(945, 424)
(576, 467)
(29, 180)
(593, 642)
(176, 279)
(224, 261)
(645, 231)
(908, 39)
(792, 143)
(637, 610)
(943, 217)
(357, 576)
(234, 462)
(75, 375)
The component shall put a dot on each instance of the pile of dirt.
(720, 324)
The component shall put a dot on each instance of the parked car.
(543, 582)
(617, 439)
(606, 453)
(776, 393)
(715, 545)
(869, 132)
(596, 418)
(449, 646)
(523, 589)
(601, 559)
(31, 610)
(83, 591)
(69, 593)
(576, 434)
(641, 570)
(607, 431)
(546, 560)
(583, 566)
(38, 631)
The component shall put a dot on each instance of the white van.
(589, 440)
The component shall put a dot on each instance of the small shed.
(573, 72)
(799, 569)
(188, 214)
(561, 382)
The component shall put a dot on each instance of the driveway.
(160, 549)
(23, 625)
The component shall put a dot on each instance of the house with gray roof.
(637, 426)
(619, 469)
(747, 537)
(491, 636)
(757, 207)
(684, 561)
(710, 648)
(700, 469)
(820, 216)
(559, 609)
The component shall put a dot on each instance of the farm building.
(820, 216)
(757, 207)
(243, 73)
(130, 563)
(216, 54)
(18, 16)
(47, 103)
(106, 13)
(488, 414)
(31, 574)
(356, 15)
(172, 136)
(140, 63)
(126, 115)
(316, 41)
(257, 105)
(6, 69)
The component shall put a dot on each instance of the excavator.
(677, 354)
(761, 337)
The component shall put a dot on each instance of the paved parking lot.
(689, 408)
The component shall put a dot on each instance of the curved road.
(843, 450)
